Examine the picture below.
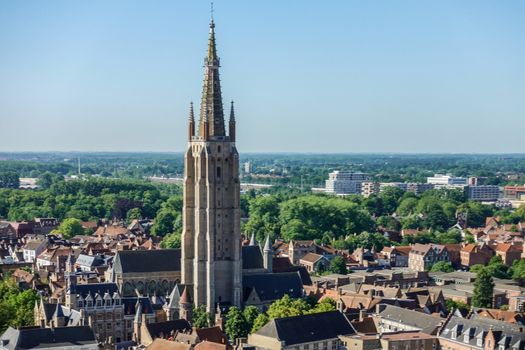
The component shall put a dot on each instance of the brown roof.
(208, 345)
(111, 231)
(506, 247)
(311, 258)
(212, 334)
(163, 344)
(367, 325)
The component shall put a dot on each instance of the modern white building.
(345, 182)
(444, 180)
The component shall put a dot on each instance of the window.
(218, 172)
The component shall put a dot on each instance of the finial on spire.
(211, 12)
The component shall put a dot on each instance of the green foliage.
(483, 289)
(442, 266)
(250, 314)
(286, 307)
(200, 318)
(16, 306)
(313, 217)
(172, 240)
(327, 304)
(9, 179)
(259, 322)
(518, 270)
(453, 305)
(70, 227)
(134, 214)
(497, 269)
(338, 265)
(236, 325)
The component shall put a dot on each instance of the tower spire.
(232, 123)
(211, 103)
(191, 126)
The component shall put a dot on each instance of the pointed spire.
(267, 245)
(232, 112)
(252, 239)
(192, 115)
(211, 103)
(185, 298)
(232, 123)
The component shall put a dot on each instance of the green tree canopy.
(70, 227)
(236, 325)
(338, 265)
(483, 289)
(442, 266)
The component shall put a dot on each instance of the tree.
(134, 214)
(9, 179)
(164, 222)
(518, 270)
(453, 305)
(172, 240)
(483, 289)
(286, 307)
(259, 322)
(497, 269)
(236, 325)
(442, 266)
(338, 265)
(200, 318)
(16, 306)
(250, 314)
(327, 304)
(70, 227)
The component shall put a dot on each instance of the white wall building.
(483, 193)
(345, 182)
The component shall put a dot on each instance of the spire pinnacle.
(232, 112)
(267, 246)
(192, 115)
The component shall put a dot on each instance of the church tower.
(211, 237)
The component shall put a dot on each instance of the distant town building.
(514, 192)
(344, 182)
(482, 192)
(369, 188)
(248, 167)
(440, 180)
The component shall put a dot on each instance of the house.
(33, 248)
(460, 333)
(163, 344)
(398, 256)
(63, 338)
(473, 254)
(396, 340)
(298, 249)
(508, 252)
(392, 318)
(314, 331)
(314, 262)
(423, 256)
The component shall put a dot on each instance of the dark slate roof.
(130, 305)
(93, 288)
(467, 330)
(49, 310)
(308, 328)
(252, 257)
(35, 337)
(164, 329)
(146, 261)
(273, 286)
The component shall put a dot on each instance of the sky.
(441, 76)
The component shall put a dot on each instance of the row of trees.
(239, 323)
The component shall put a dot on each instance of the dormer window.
(99, 302)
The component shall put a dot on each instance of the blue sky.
(306, 76)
